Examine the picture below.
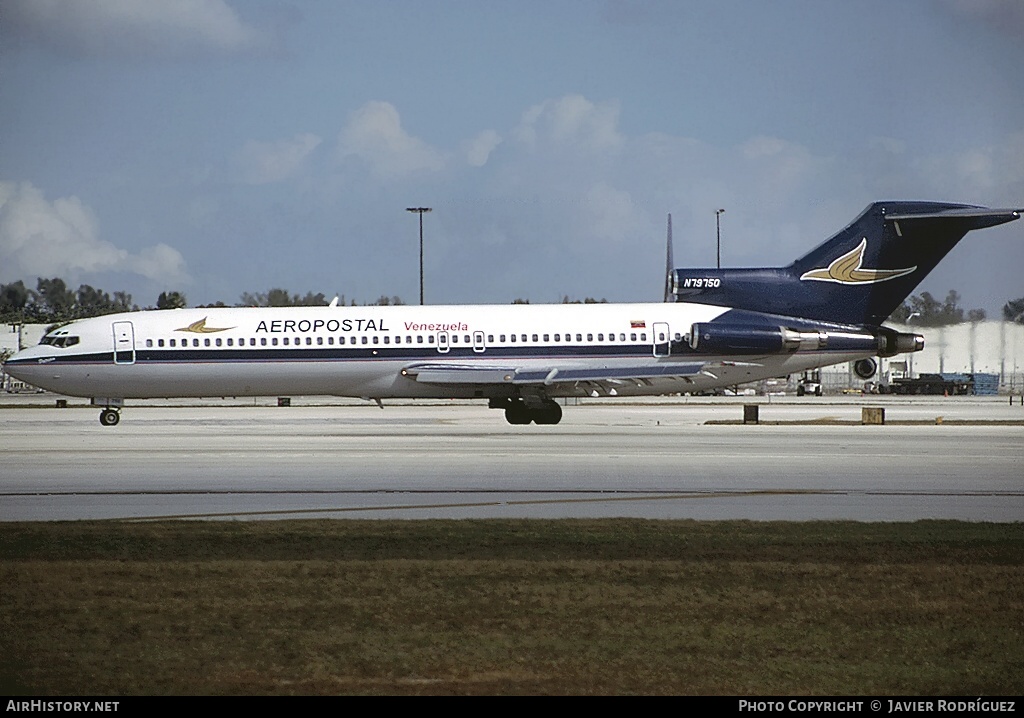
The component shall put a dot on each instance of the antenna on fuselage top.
(669, 268)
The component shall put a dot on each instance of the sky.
(216, 147)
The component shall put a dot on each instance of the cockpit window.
(62, 341)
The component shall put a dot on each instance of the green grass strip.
(512, 607)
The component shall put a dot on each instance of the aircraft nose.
(26, 364)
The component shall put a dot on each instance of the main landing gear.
(110, 417)
(518, 411)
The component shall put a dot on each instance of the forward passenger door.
(124, 343)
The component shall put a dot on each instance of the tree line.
(925, 310)
(53, 302)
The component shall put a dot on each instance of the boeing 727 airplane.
(725, 327)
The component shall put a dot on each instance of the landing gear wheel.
(549, 413)
(110, 417)
(517, 413)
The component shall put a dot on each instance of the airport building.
(991, 348)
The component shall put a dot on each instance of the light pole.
(718, 234)
(420, 211)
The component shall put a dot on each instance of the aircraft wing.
(547, 375)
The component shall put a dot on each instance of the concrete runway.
(325, 457)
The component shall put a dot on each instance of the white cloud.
(571, 121)
(984, 175)
(39, 238)
(177, 28)
(610, 216)
(779, 168)
(158, 262)
(478, 149)
(374, 134)
(888, 145)
(267, 162)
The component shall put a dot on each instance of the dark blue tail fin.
(858, 276)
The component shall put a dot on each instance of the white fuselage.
(365, 351)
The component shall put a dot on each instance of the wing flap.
(459, 374)
(546, 375)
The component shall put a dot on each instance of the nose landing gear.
(110, 417)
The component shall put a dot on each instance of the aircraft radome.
(722, 327)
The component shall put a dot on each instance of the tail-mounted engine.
(715, 338)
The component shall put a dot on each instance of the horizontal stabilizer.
(1003, 215)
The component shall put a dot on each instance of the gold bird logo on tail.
(849, 269)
